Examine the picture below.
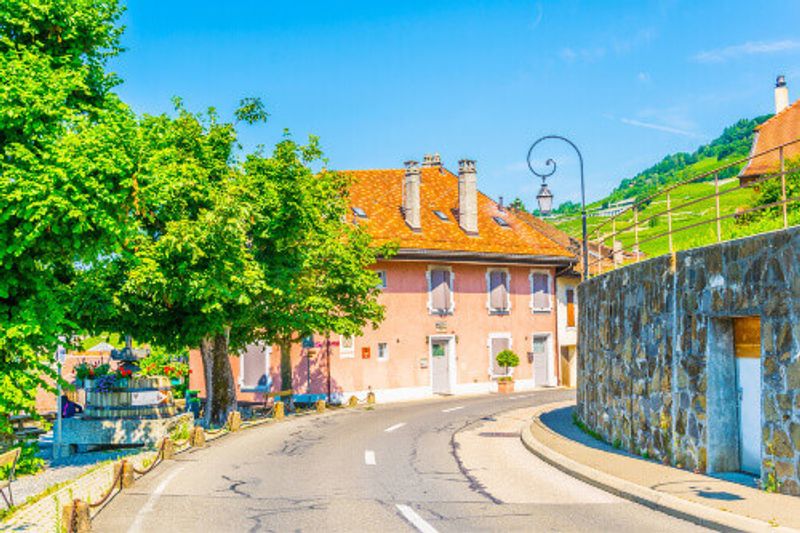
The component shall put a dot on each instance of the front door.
(440, 366)
(747, 345)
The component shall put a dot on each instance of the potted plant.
(507, 359)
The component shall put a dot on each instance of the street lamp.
(545, 197)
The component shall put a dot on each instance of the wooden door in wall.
(747, 349)
(440, 366)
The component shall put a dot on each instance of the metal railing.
(606, 238)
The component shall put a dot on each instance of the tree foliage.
(315, 261)
(65, 166)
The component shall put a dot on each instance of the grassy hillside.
(733, 144)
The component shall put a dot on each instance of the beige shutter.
(440, 290)
(541, 291)
(498, 344)
(498, 287)
(254, 367)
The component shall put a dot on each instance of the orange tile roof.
(782, 128)
(380, 194)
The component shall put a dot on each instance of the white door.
(541, 360)
(440, 366)
(748, 371)
(747, 348)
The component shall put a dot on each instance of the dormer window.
(501, 222)
(360, 213)
(441, 215)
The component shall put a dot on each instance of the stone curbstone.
(666, 503)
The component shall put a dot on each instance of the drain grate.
(506, 434)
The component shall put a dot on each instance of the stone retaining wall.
(651, 375)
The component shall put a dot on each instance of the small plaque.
(423, 363)
(365, 352)
(441, 327)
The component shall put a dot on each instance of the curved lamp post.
(545, 197)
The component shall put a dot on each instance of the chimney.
(431, 161)
(411, 183)
(467, 196)
(781, 94)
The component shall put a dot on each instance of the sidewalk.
(706, 500)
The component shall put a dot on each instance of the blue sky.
(381, 82)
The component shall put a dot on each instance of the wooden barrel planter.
(136, 400)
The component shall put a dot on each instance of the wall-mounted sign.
(423, 362)
(441, 327)
(308, 342)
(365, 352)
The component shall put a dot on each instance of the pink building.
(470, 279)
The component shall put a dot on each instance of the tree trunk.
(220, 388)
(285, 345)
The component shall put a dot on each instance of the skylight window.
(441, 215)
(501, 222)
(359, 212)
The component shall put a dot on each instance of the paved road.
(452, 464)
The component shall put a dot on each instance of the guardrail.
(608, 238)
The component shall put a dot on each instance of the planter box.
(505, 387)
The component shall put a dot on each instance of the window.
(441, 215)
(382, 276)
(570, 308)
(440, 291)
(501, 222)
(359, 212)
(254, 368)
(497, 343)
(497, 285)
(347, 346)
(540, 291)
(383, 351)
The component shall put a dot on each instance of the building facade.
(470, 279)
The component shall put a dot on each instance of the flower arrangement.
(86, 370)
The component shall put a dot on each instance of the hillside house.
(782, 128)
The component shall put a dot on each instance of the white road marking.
(151, 501)
(452, 409)
(416, 520)
(369, 457)
(396, 426)
(515, 397)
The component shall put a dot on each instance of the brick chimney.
(781, 94)
(467, 196)
(431, 161)
(411, 185)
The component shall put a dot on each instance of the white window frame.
(378, 354)
(489, 307)
(550, 290)
(267, 350)
(347, 353)
(550, 356)
(384, 277)
(498, 335)
(452, 309)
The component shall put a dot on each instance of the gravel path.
(61, 470)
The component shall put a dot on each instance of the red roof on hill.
(780, 129)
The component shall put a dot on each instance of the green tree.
(186, 276)
(315, 261)
(65, 163)
(518, 204)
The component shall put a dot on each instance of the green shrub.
(507, 359)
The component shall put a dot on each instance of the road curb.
(672, 505)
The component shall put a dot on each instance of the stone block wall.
(652, 362)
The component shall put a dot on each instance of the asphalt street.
(451, 464)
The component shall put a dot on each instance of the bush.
(507, 359)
